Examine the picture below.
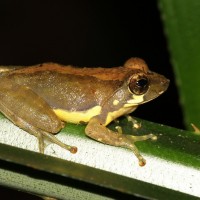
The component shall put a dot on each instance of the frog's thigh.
(23, 106)
(30, 112)
(102, 134)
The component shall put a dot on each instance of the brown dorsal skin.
(72, 88)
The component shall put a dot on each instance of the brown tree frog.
(40, 98)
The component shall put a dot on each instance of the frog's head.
(143, 85)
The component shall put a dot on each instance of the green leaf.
(44, 175)
(181, 19)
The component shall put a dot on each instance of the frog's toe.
(134, 138)
(129, 143)
(134, 122)
(132, 147)
(54, 140)
(196, 129)
(41, 143)
(119, 129)
(153, 137)
(142, 161)
(44, 137)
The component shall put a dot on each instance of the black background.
(90, 33)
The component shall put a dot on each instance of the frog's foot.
(100, 133)
(43, 135)
(129, 141)
(196, 129)
(54, 140)
(134, 122)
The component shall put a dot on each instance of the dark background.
(90, 33)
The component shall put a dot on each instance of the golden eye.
(139, 85)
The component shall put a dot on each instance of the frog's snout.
(165, 83)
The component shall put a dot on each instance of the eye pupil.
(142, 82)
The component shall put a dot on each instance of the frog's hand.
(134, 122)
(30, 112)
(96, 130)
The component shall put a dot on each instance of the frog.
(42, 98)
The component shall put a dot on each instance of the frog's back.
(72, 88)
(114, 73)
(66, 91)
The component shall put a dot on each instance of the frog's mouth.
(156, 89)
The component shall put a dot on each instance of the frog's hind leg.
(96, 130)
(30, 112)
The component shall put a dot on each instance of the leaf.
(174, 149)
(181, 19)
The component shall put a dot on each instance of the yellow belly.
(77, 116)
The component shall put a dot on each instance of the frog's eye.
(139, 85)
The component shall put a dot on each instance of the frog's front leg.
(30, 112)
(96, 130)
